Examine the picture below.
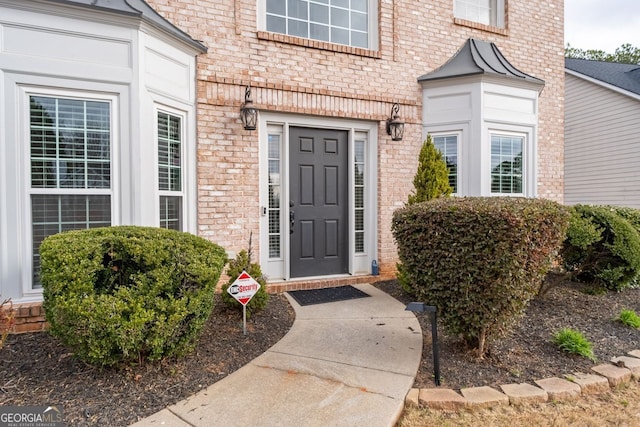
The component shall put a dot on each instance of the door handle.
(292, 217)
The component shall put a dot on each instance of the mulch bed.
(36, 370)
(528, 353)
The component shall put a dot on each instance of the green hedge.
(478, 260)
(124, 294)
(603, 246)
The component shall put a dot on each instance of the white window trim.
(261, 18)
(24, 107)
(185, 181)
(528, 162)
(279, 269)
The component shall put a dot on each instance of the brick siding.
(29, 318)
(316, 78)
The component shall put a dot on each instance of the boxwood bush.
(478, 260)
(603, 246)
(125, 294)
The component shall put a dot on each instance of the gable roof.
(623, 76)
(140, 9)
(478, 57)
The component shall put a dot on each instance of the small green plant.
(241, 263)
(7, 318)
(574, 342)
(629, 318)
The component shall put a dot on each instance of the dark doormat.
(321, 296)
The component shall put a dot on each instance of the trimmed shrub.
(478, 260)
(432, 177)
(124, 294)
(241, 263)
(602, 248)
(430, 182)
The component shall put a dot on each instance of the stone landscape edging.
(604, 377)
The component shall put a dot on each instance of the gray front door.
(318, 167)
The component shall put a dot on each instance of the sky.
(601, 24)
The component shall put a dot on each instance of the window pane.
(297, 9)
(274, 208)
(360, 5)
(339, 36)
(169, 152)
(277, 7)
(359, 39)
(52, 214)
(171, 212)
(319, 13)
(298, 28)
(359, 194)
(358, 21)
(506, 164)
(319, 32)
(276, 24)
(339, 17)
(448, 146)
(70, 142)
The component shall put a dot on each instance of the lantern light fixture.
(395, 127)
(248, 113)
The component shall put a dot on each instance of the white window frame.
(184, 161)
(372, 24)
(496, 7)
(528, 160)
(25, 92)
(458, 135)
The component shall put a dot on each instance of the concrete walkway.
(347, 363)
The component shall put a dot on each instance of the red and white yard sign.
(244, 288)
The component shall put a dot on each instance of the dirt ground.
(37, 370)
(528, 353)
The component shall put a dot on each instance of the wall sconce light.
(248, 113)
(395, 127)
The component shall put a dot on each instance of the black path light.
(395, 127)
(248, 113)
(420, 307)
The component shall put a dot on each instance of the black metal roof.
(623, 76)
(140, 9)
(477, 57)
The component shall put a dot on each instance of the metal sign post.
(420, 307)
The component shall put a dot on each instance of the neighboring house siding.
(318, 79)
(602, 145)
